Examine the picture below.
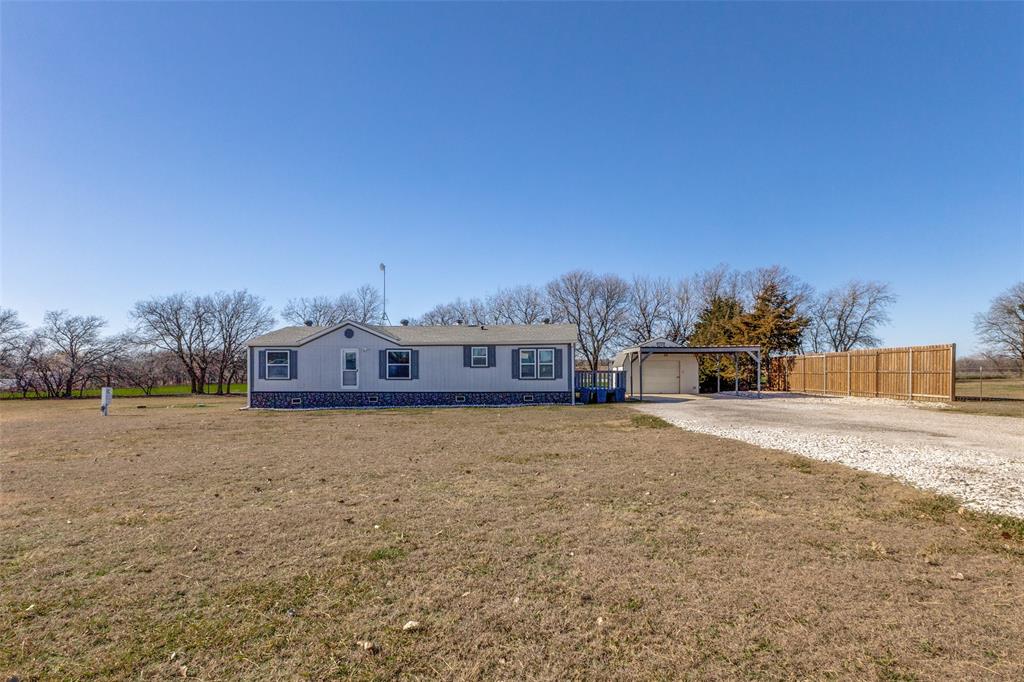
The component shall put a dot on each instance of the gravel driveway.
(977, 458)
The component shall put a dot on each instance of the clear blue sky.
(287, 149)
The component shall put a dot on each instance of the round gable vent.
(349, 333)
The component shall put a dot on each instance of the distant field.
(991, 388)
(527, 543)
(182, 389)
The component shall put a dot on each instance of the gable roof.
(447, 335)
(660, 341)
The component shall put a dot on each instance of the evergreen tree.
(717, 325)
(774, 323)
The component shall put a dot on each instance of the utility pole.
(384, 317)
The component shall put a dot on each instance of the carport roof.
(693, 349)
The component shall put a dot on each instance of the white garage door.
(661, 375)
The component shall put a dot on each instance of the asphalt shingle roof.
(435, 336)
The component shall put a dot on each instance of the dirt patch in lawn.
(526, 543)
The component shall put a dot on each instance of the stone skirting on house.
(308, 400)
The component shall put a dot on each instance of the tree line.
(768, 307)
(199, 340)
(1000, 329)
(179, 339)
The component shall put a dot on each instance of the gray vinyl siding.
(441, 368)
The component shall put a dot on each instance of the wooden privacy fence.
(913, 373)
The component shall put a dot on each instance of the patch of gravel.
(856, 432)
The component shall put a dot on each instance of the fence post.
(824, 374)
(849, 384)
(952, 373)
(910, 374)
(875, 356)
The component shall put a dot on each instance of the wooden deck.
(600, 386)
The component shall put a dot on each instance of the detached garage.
(665, 367)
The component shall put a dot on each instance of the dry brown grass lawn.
(995, 408)
(569, 543)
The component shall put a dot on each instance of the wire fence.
(989, 384)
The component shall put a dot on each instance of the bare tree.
(440, 315)
(77, 344)
(650, 307)
(472, 311)
(759, 280)
(365, 305)
(106, 371)
(700, 291)
(459, 311)
(47, 367)
(369, 304)
(849, 317)
(237, 316)
(320, 311)
(683, 311)
(21, 370)
(519, 305)
(597, 304)
(12, 336)
(136, 368)
(183, 325)
(1001, 328)
(718, 283)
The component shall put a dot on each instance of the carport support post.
(631, 377)
(640, 354)
(718, 373)
(758, 373)
(736, 373)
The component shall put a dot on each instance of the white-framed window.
(536, 363)
(545, 363)
(478, 356)
(399, 364)
(278, 364)
(527, 363)
(349, 368)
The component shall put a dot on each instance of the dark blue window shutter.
(383, 364)
(515, 363)
(467, 356)
(492, 356)
(415, 369)
(558, 363)
(293, 364)
(263, 364)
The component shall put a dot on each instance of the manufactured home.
(361, 365)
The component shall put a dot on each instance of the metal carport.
(639, 353)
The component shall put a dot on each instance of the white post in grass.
(106, 396)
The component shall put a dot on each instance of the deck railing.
(602, 378)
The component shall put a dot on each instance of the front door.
(350, 368)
